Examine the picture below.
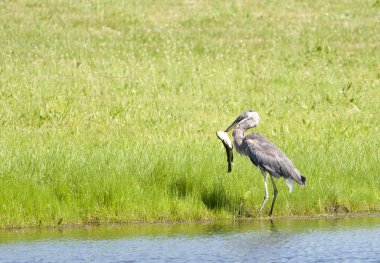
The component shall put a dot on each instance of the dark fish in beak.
(223, 136)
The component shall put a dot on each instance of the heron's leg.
(266, 191)
(275, 192)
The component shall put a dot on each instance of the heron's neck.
(239, 132)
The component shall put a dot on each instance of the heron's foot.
(262, 205)
(258, 214)
(270, 213)
(260, 211)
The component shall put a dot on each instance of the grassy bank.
(108, 110)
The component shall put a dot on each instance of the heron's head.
(251, 115)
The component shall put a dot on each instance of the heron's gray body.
(264, 154)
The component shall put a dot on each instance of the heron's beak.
(234, 124)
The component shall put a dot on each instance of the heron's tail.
(298, 177)
(303, 180)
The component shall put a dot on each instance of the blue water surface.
(295, 240)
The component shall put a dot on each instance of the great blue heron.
(263, 154)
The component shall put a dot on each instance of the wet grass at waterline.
(109, 111)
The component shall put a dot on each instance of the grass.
(108, 109)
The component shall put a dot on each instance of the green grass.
(108, 109)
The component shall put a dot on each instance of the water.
(311, 240)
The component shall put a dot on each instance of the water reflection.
(246, 240)
(270, 227)
(273, 227)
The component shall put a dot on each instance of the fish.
(223, 136)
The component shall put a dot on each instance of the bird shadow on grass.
(214, 196)
(217, 198)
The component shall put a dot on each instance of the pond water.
(295, 240)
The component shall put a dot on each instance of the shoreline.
(205, 221)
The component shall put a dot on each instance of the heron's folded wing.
(270, 157)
